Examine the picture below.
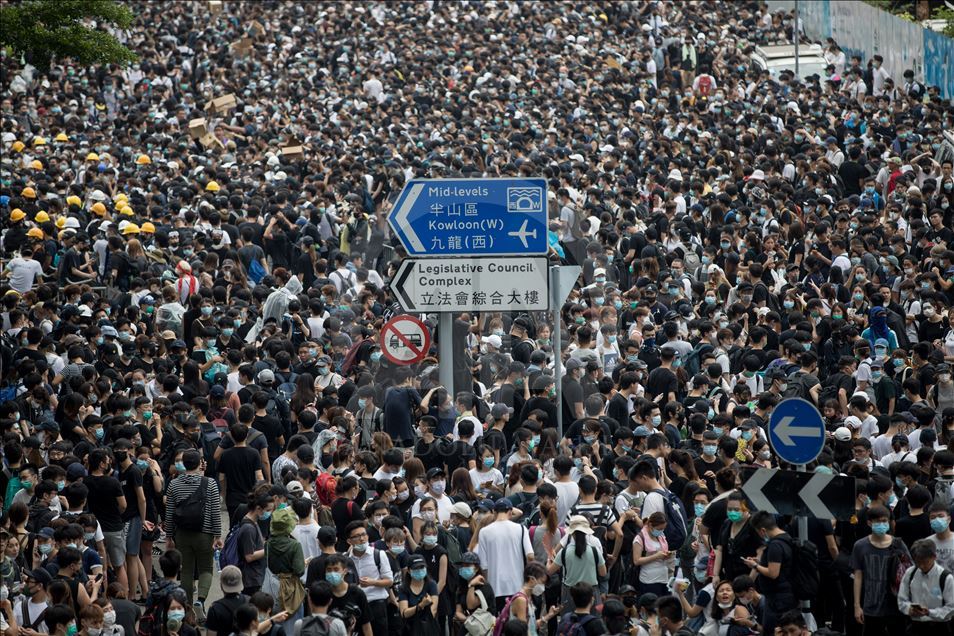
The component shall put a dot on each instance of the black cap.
(436, 472)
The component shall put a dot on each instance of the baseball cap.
(294, 487)
(842, 434)
(462, 509)
(265, 376)
(435, 472)
(217, 391)
(503, 505)
(231, 579)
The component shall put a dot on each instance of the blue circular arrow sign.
(796, 431)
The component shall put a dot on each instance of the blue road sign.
(472, 217)
(796, 431)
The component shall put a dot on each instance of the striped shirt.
(180, 489)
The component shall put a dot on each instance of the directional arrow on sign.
(401, 217)
(753, 489)
(399, 283)
(786, 492)
(786, 431)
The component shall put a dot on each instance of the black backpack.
(677, 525)
(804, 575)
(190, 513)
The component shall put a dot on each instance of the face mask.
(419, 575)
(397, 549)
(403, 495)
(428, 515)
(489, 462)
(71, 629)
(27, 484)
(823, 469)
(656, 533)
(206, 311)
(45, 548)
(880, 528)
(746, 435)
(618, 304)
(699, 509)
(180, 467)
(360, 548)
(718, 431)
(538, 589)
(89, 536)
(100, 433)
(940, 524)
(94, 631)
(437, 487)
(467, 573)
(429, 539)
(709, 450)
(334, 578)
(657, 420)
(109, 618)
(176, 615)
(734, 516)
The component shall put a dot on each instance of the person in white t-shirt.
(504, 548)
(35, 582)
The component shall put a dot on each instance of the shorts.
(132, 531)
(115, 547)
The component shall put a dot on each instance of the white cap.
(493, 340)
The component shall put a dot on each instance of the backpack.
(256, 271)
(797, 388)
(693, 361)
(325, 487)
(211, 437)
(676, 520)
(804, 575)
(504, 614)
(571, 626)
(230, 551)
(316, 626)
(286, 388)
(900, 563)
(450, 542)
(151, 622)
(26, 623)
(736, 354)
(941, 581)
(828, 392)
(189, 513)
(528, 501)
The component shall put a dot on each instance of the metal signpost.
(797, 434)
(478, 220)
(561, 284)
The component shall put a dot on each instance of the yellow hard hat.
(36, 164)
(148, 228)
(99, 208)
(132, 228)
(41, 217)
(143, 160)
(92, 157)
(128, 211)
(73, 200)
(212, 186)
(60, 223)
(28, 193)
(120, 197)
(35, 232)
(17, 146)
(17, 215)
(61, 137)
(39, 141)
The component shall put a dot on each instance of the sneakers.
(199, 611)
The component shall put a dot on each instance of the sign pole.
(806, 606)
(557, 349)
(445, 352)
(796, 36)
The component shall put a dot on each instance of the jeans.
(196, 549)
(379, 616)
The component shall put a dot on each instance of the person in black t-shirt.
(349, 601)
(240, 468)
(774, 568)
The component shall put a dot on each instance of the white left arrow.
(810, 495)
(785, 431)
(753, 489)
(402, 223)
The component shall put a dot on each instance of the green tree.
(44, 30)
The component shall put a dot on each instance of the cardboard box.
(242, 47)
(198, 128)
(293, 152)
(210, 141)
(222, 104)
(612, 62)
(215, 6)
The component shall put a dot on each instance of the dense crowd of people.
(200, 430)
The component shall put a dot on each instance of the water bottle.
(218, 554)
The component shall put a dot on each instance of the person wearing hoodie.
(286, 561)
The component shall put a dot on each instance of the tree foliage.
(44, 30)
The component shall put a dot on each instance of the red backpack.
(325, 487)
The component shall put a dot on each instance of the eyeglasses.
(357, 537)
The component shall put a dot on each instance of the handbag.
(270, 584)
(481, 621)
